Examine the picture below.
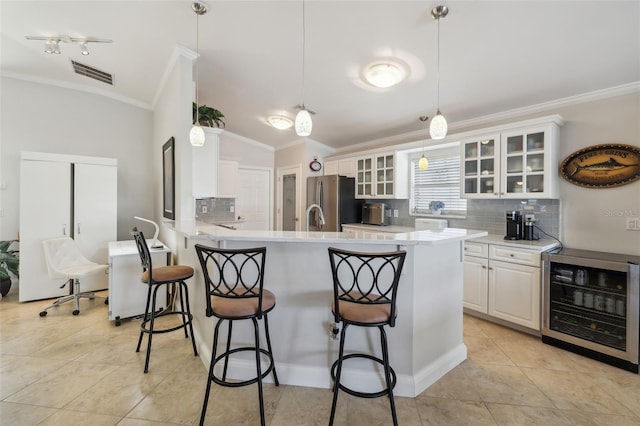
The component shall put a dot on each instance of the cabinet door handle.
(484, 267)
(64, 229)
(465, 249)
(490, 268)
(78, 228)
(511, 255)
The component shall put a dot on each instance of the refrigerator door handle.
(321, 203)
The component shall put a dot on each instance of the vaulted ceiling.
(495, 56)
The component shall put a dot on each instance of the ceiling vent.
(90, 72)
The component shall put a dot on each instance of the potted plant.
(9, 262)
(208, 116)
(436, 207)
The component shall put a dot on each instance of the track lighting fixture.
(52, 43)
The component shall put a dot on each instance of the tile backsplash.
(215, 209)
(489, 215)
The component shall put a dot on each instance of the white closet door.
(252, 204)
(95, 215)
(45, 212)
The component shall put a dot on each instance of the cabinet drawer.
(476, 249)
(515, 255)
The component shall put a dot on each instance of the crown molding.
(78, 87)
(178, 51)
(612, 92)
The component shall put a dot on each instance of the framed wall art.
(169, 179)
(602, 166)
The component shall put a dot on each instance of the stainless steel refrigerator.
(336, 196)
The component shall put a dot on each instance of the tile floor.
(66, 370)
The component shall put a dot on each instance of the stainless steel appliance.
(374, 213)
(336, 197)
(514, 225)
(591, 302)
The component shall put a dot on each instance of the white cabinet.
(331, 167)
(227, 179)
(503, 282)
(127, 294)
(518, 163)
(343, 167)
(204, 161)
(347, 167)
(382, 176)
(514, 293)
(64, 195)
(476, 283)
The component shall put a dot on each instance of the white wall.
(595, 219)
(45, 118)
(245, 151)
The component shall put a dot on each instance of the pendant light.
(303, 119)
(438, 126)
(196, 135)
(423, 163)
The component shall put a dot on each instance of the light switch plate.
(633, 223)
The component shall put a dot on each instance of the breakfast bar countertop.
(205, 231)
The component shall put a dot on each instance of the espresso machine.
(514, 225)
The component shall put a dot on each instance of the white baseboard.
(319, 377)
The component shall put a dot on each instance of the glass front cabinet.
(382, 176)
(519, 163)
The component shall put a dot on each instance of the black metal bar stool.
(156, 278)
(234, 284)
(365, 286)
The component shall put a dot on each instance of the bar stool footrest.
(189, 317)
(222, 382)
(383, 392)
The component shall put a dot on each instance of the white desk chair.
(64, 261)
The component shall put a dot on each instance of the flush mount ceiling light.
(280, 122)
(438, 126)
(196, 135)
(303, 118)
(52, 43)
(384, 74)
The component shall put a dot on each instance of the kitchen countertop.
(540, 245)
(205, 231)
(381, 228)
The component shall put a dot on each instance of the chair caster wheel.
(118, 323)
(43, 314)
(76, 312)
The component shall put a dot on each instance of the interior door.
(253, 203)
(289, 199)
(45, 212)
(95, 215)
(289, 202)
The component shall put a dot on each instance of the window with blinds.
(440, 182)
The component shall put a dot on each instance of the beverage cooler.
(591, 303)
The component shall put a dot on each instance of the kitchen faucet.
(311, 207)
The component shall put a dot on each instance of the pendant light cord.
(197, 66)
(438, 70)
(303, 50)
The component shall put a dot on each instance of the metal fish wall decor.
(602, 166)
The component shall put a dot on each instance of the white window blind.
(440, 182)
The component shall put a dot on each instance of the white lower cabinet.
(476, 283)
(503, 282)
(514, 293)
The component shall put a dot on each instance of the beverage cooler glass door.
(592, 304)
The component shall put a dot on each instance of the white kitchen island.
(424, 345)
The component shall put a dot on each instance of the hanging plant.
(208, 116)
